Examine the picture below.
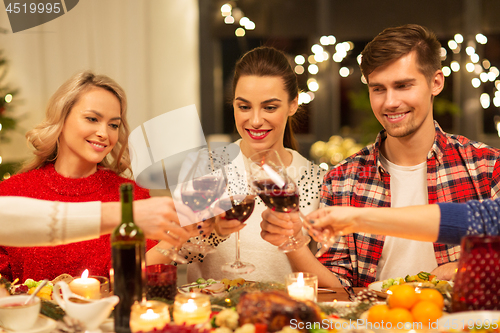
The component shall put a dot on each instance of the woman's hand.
(278, 227)
(225, 227)
(158, 218)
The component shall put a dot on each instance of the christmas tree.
(7, 122)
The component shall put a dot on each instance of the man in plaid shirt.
(412, 162)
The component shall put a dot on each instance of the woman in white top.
(265, 100)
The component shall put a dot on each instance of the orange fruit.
(377, 313)
(426, 312)
(431, 295)
(404, 296)
(398, 317)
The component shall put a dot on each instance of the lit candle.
(302, 289)
(148, 316)
(89, 288)
(192, 309)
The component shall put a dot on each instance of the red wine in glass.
(241, 211)
(284, 199)
(198, 200)
(235, 210)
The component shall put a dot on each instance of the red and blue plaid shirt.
(458, 170)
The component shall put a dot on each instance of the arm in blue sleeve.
(471, 218)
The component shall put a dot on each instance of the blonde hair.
(45, 136)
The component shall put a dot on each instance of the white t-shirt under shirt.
(400, 256)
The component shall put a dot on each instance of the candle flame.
(190, 306)
(85, 274)
(300, 280)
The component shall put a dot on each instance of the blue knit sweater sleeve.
(471, 218)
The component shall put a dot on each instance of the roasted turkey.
(276, 309)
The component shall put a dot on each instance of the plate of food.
(471, 321)
(420, 280)
(212, 287)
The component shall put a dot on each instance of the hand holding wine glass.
(327, 224)
(238, 207)
(268, 178)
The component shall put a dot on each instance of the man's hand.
(336, 220)
(446, 271)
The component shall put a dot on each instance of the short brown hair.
(394, 43)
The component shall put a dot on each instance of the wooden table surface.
(340, 295)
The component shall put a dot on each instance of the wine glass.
(324, 237)
(202, 186)
(268, 178)
(238, 207)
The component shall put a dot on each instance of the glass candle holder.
(192, 309)
(477, 283)
(104, 285)
(161, 281)
(146, 316)
(302, 286)
(87, 287)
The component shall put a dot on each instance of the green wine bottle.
(128, 274)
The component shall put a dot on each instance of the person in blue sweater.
(443, 223)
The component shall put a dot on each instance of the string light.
(481, 39)
(455, 66)
(229, 19)
(485, 100)
(312, 84)
(483, 76)
(496, 101)
(478, 69)
(299, 59)
(299, 69)
(226, 9)
(250, 25)
(474, 58)
(476, 83)
(304, 98)
(469, 67)
(313, 69)
(458, 38)
(344, 71)
(311, 95)
(446, 71)
(8, 98)
(240, 32)
(316, 49)
(324, 40)
(244, 20)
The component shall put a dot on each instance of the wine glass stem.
(237, 246)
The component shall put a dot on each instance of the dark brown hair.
(394, 43)
(268, 61)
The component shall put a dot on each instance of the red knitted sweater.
(48, 262)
